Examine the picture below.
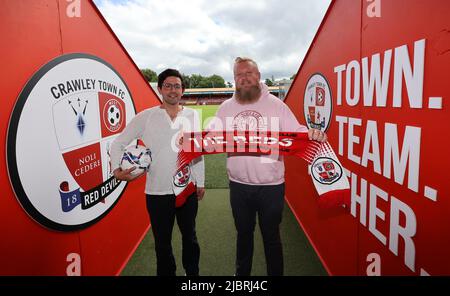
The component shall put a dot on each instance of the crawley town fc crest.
(59, 135)
(326, 170)
(182, 178)
(317, 102)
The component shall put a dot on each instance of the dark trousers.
(267, 201)
(162, 211)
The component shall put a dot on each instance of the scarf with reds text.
(326, 171)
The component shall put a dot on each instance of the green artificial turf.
(206, 112)
(217, 238)
(216, 168)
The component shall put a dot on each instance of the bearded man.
(257, 181)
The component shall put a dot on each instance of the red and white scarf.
(325, 169)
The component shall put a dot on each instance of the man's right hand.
(125, 175)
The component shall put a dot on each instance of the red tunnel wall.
(346, 242)
(33, 33)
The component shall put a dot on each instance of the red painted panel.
(409, 22)
(400, 225)
(333, 233)
(36, 32)
(31, 32)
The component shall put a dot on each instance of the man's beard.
(249, 95)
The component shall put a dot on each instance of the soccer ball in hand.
(136, 156)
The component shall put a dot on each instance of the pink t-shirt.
(269, 113)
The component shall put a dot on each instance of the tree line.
(192, 81)
(199, 81)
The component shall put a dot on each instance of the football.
(113, 115)
(136, 156)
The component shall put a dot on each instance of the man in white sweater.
(158, 128)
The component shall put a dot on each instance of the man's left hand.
(317, 135)
(200, 193)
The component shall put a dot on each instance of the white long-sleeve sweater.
(155, 128)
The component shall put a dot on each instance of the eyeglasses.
(172, 86)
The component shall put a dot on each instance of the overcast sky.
(203, 37)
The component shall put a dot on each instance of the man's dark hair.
(169, 72)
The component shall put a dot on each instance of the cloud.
(203, 37)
